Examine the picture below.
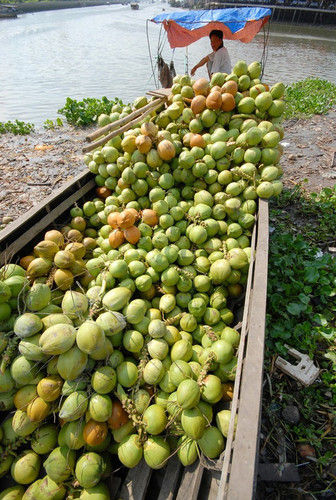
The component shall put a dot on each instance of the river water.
(96, 51)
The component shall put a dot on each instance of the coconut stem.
(205, 368)
(12, 447)
(171, 321)
(9, 353)
(96, 305)
(128, 405)
(210, 333)
(224, 248)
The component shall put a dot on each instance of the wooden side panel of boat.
(233, 476)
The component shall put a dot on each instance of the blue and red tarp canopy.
(185, 27)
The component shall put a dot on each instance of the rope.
(264, 56)
(150, 55)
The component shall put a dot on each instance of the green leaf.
(311, 275)
(295, 308)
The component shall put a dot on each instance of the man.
(219, 60)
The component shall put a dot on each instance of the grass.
(301, 312)
(312, 96)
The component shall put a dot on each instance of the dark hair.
(217, 33)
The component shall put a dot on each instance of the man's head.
(216, 39)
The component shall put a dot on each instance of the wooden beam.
(136, 482)
(246, 447)
(190, 483)
(237, 384)
(118, 123)
(26, 236)
(171, 479)
(120, 130)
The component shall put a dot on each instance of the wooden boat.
(7, 12)
(233, 475)
(221, 479)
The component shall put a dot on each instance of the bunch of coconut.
(120, 335)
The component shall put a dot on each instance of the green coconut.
(89, 469)
(74, 406)
(223, 421)
(38, 297)
(12, 493)
(30, 348)
(193, 423)
(45, 488)
(55, 319)
(21, 424)
(104, 380)
(130, 451)
(8, 434)
(16, 284)
(211, 443)
(71, 363)
(90, 337)
(71, 435)
(27, 325)
(116, 299)
(5, 463)
(23, 370)
(100, 407)
(9, 270)
(5, 292)
(44, 439)
(26, 467)
(7, 382)
(74, 304)
(156, 452)
(60, 464)
(7, 400)
(98, 492)
(57, 339)
(155, 419)
(187, 450)
(188, 394)
(111, 322)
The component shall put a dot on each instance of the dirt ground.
(32, 166)
(310, 151)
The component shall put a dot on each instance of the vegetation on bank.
(17, 127)
(312, 96)
(301, 312)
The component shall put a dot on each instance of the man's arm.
(201, 63)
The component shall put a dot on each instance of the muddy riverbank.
(29, 7)
(33, 166)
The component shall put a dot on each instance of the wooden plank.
(126, 127)
(163, 92)
(190, 482)
(136, 482)
(122, 121)
(244, 461)
(43, 223)
(214, 485)
(113, 484)
(171, 479)
(237, 383)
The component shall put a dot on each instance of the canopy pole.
(186, 61)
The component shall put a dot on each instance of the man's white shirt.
(219, 62)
